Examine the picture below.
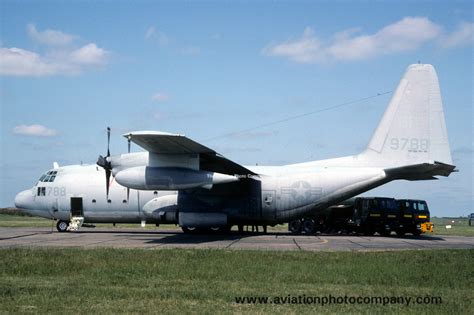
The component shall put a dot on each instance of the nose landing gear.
(61, 225)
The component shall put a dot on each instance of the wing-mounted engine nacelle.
(170, 178)
(127, 160)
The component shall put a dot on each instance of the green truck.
(368, 215)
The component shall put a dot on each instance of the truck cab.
(414, 217)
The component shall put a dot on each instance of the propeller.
(129, 138)
(105, 163)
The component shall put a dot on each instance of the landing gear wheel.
(221, 229)
(295, 226)
(189, 230)
(61, 226)
(309, 227)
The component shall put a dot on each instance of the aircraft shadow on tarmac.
(174, 237)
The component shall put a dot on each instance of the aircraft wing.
(168, 143)
(421, 171)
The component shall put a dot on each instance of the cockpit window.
(49, 177)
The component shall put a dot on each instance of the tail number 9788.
(410, 144)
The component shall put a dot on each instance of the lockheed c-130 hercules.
(180, 181)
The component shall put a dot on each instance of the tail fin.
(413, 129)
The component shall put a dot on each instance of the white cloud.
(89, 54)
(307, 49)
(463, 35)
(60, 58)
(34, 130)
(160, 97)
(408, 34)
(49, 37)
(160, 37)
(19, 62)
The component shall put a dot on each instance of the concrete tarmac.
(151, 239)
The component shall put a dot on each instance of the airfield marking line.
(294, 241)
(324, 240)
(232, 243)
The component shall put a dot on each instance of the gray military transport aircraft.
(180, 181)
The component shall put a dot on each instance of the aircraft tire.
(61, 226)
(309, 227)
(294, 226)
(221, 229)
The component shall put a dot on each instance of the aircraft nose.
(23, 199)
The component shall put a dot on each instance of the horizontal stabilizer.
(424, 171)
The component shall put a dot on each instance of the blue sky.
(206, 69)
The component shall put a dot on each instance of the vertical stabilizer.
(413, 129)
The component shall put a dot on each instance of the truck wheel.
(369, 232)
(189, 230)
(294, 226)
(61, 226)
(309, 227)
(416, 233)
(400, 233)
(385, 232)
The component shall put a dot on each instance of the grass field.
(208, 281)
(458, 226)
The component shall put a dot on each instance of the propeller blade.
(108, 141)
(107, 182)
(106, 164)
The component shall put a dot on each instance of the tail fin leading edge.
(413, 129)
